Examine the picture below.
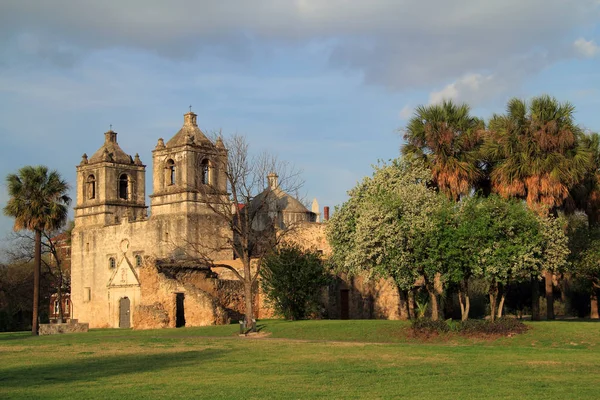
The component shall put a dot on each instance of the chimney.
(326, 213)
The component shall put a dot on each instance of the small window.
(56, 307)
(91, 187)
(171, 172)
(67, 306)
(205, 171)
(124, 187)
(112, 263)
(138, 260)
(87, 294)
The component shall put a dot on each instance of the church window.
(204, 166)
(171, 172)
(112, 263)
(56, 307)
(124, 187)
(91, 187)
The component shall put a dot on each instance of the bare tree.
(55, 261)
(249, 212)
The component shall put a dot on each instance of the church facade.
(113, 234)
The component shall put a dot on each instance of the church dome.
(111, 151)
(273, 205)
(277, 198)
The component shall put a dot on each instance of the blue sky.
(325, 85)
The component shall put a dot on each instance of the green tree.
(380, 229)
(585, 258)
(586, 193)
(447, 139)
(292, 279)
(512, 244)
(39, 203)
(536, 154)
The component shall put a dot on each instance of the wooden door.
(124, 314)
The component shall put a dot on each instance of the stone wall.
(70, 327)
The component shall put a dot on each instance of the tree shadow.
(5, 336)
(593, 321)
(92, 369)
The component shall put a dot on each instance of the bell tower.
(190, 193)
(188, 171)
(110, 186)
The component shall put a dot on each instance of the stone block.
(70, 327)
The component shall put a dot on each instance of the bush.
(502, 326)
(292, 279)
(427, 326)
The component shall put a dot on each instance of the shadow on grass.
(15, 335)
(92, 369)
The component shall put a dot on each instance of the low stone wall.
(70, 327)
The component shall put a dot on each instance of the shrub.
(501, 326)
(427, 326)
(292, 279)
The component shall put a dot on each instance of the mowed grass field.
(305, 359)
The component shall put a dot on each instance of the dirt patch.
(543, 362)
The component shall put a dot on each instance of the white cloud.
(396, 44)
(470, 88)
(586, 48)
(406, 112)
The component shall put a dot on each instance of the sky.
(325, 85)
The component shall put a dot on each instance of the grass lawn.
(305, 359)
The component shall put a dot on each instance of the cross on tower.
(190, 108)
(111, 127)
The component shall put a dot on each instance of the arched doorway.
(124, 314)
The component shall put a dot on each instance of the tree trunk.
(411, 304)
(37, 265)
(535, 299)
(549, 295)
(434, 303)
(248, 300)
(61, 317)
(249, 317)
(594, 304)
(439, 290)
(493, 292)
(463, 298)
(501, 305)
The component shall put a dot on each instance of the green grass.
(305, 359)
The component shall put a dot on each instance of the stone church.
(127, 263)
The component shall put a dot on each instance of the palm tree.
(447, 138)
(586, 194)
(39, 203)
(535, 153)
